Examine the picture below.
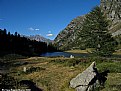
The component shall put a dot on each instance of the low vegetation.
(54, 74)
(77, 51)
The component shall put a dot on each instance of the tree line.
(15, 44)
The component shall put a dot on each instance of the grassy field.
(56, 73)
(118, 52)
(77, 51)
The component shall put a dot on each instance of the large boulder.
(85, 80)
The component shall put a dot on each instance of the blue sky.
(43, 17)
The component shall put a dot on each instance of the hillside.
(68, 38)
(65, 39)
(112, 10)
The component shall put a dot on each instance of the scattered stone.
(71, 56)
(24, 69)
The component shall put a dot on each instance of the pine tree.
(94, 33)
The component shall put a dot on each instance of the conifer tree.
(94, 33)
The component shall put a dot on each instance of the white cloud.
(33, 29)
(49, 35)
(37, 29)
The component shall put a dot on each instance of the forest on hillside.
(15, 44)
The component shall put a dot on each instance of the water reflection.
(66, 54)
(63, 54)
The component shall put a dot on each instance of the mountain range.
(38, 38)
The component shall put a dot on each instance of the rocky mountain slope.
(112, 9)
(67, 38)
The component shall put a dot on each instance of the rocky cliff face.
(112, 9)
(67, 38)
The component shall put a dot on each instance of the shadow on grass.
(31, 85)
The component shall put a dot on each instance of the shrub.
(114, 67)
(34, 69)
(69, 62)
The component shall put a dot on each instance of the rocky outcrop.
(81, 81)
(89, 79)
(112, 9)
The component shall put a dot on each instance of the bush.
(69, 62)
(34, 69)
(113, 67)
(13, 57)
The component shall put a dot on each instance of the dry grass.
(77, 51)
(56, 76)
(88, 50)
(113, 82)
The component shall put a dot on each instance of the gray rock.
(81, 81)
(112, 9)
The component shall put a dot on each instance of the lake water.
(64, 54)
